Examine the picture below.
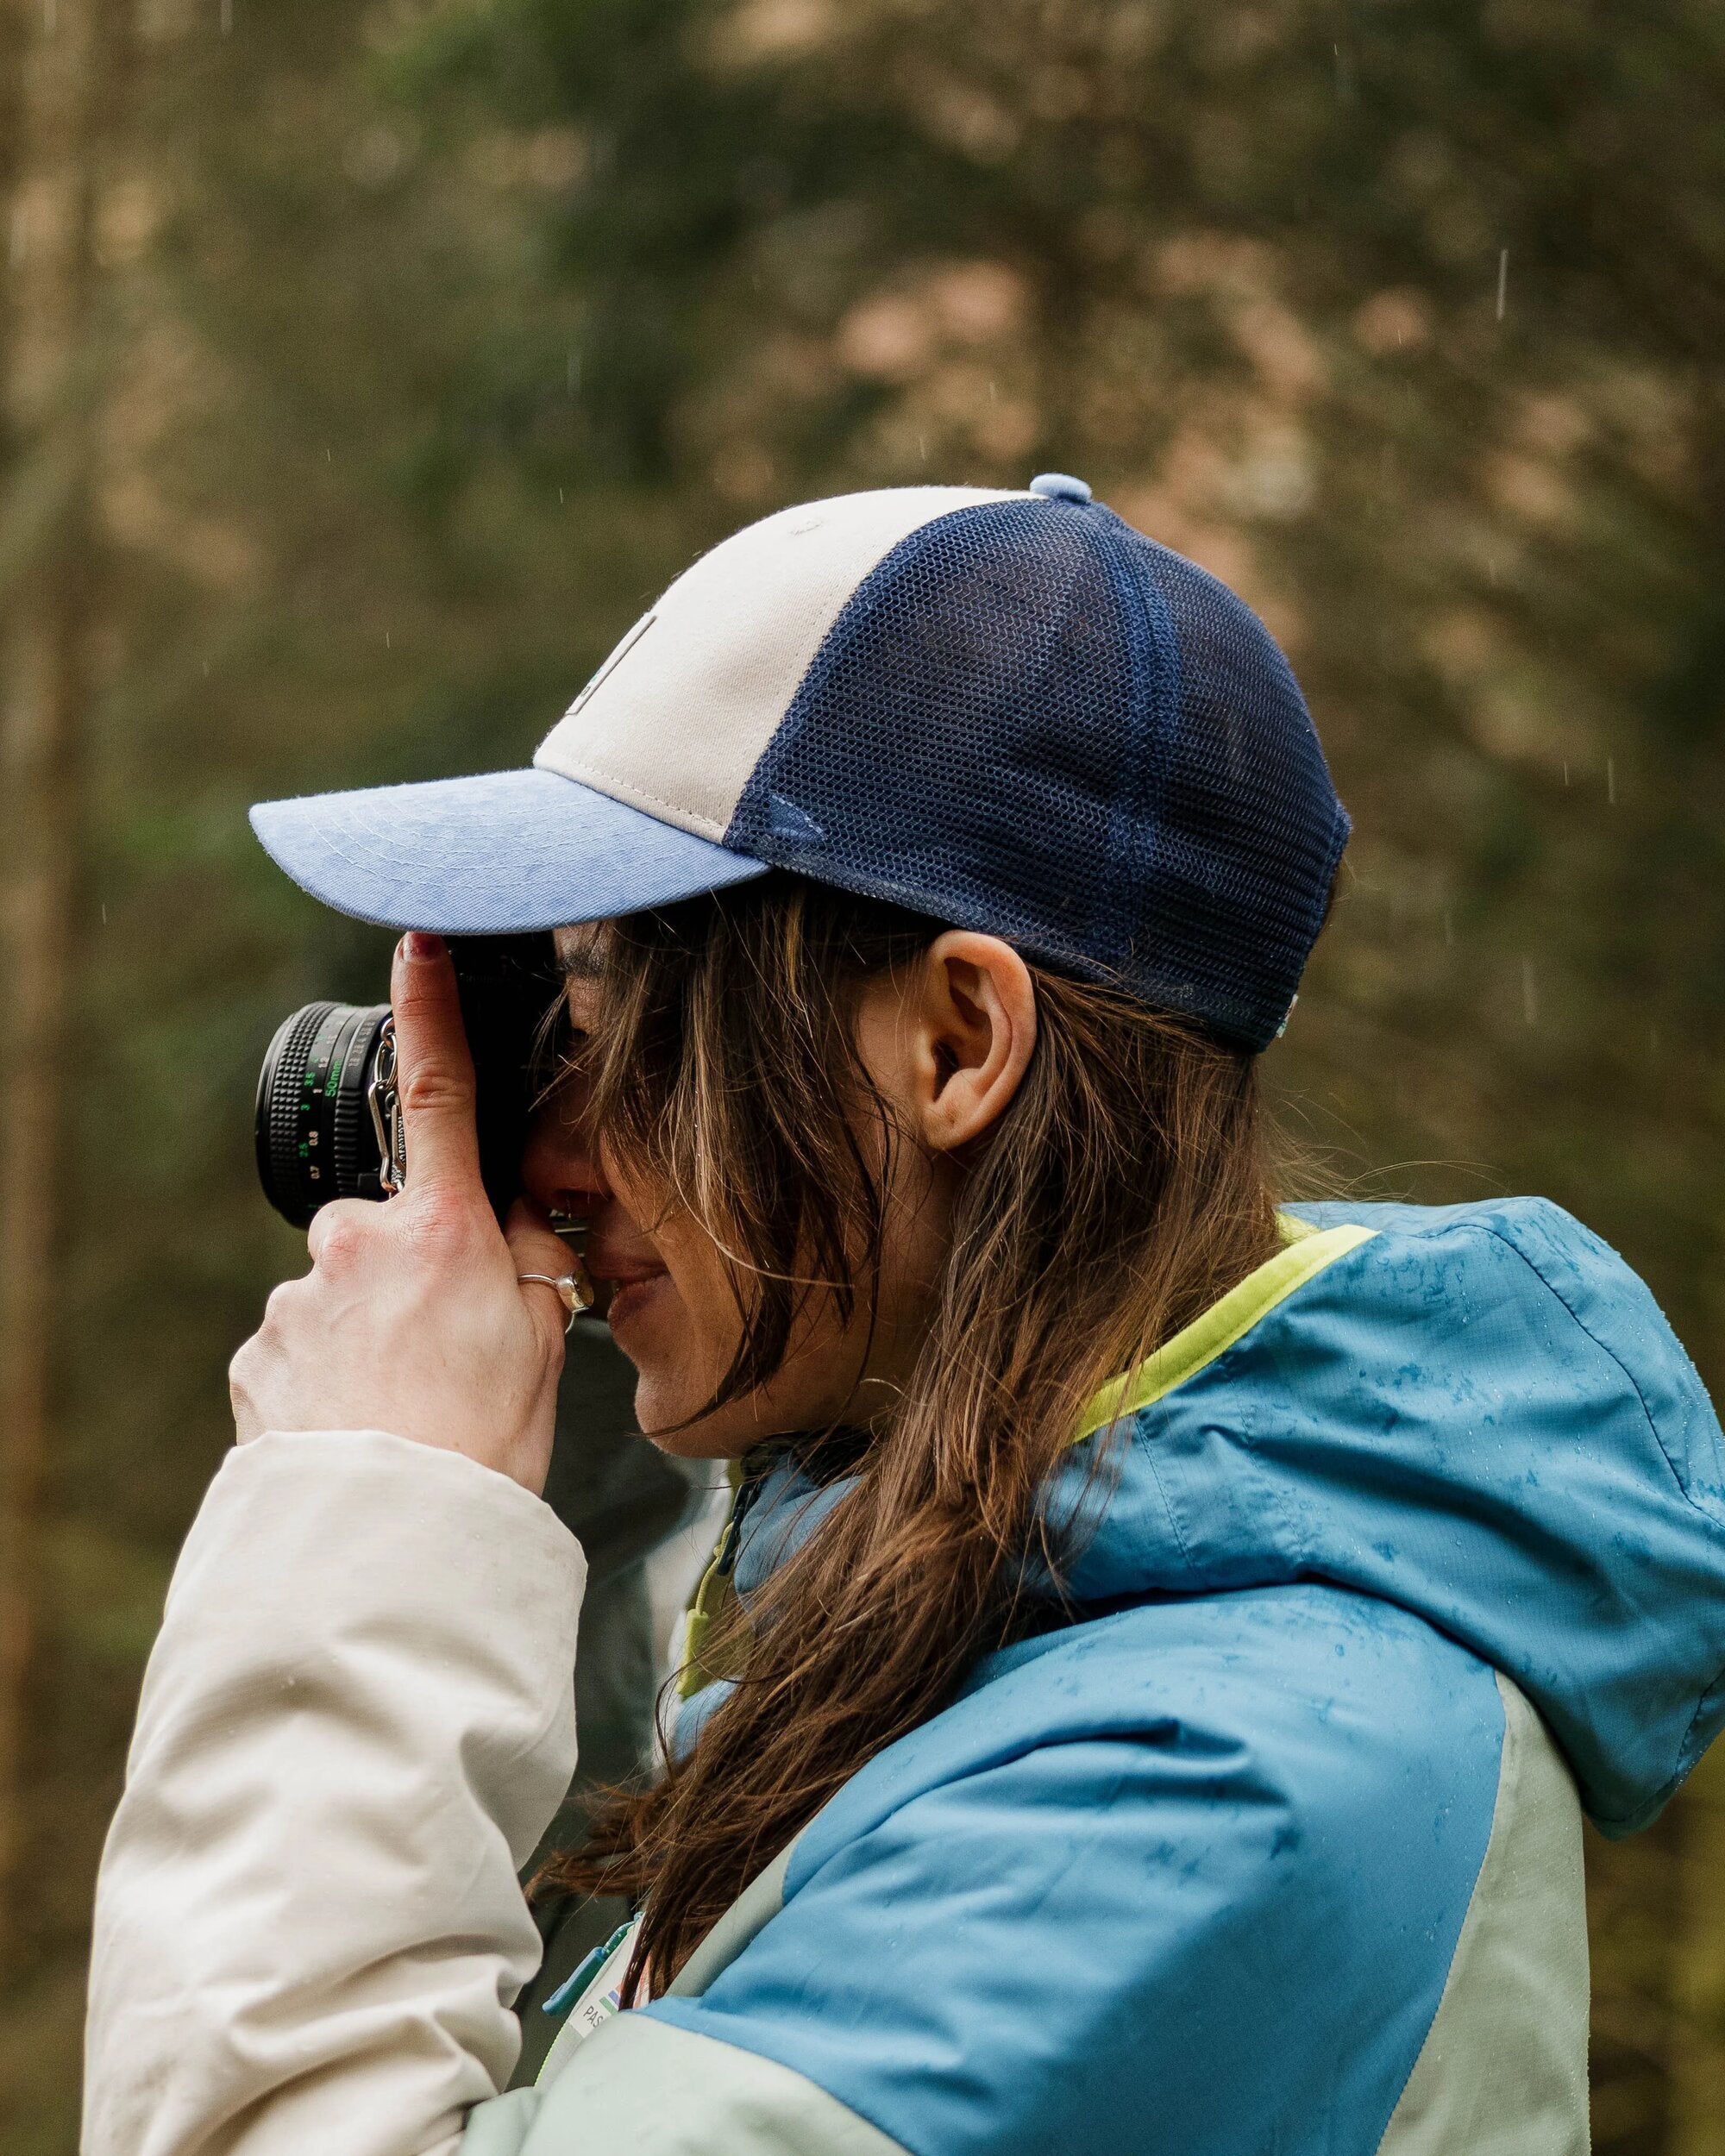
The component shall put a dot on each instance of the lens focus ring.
(313, 1135)
(280, 1089)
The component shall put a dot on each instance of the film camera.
(329, 1123)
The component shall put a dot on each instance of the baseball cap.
(1005, 708)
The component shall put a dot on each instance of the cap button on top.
(1060, 487)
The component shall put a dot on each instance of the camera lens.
(313, 1128)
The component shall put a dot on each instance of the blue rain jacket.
(1407, 1553)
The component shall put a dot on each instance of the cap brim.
(503, 853)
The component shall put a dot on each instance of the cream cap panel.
(677, 716)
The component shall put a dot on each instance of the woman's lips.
(630, 1295)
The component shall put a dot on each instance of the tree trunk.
(62, 108)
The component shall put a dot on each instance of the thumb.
(434, 1068)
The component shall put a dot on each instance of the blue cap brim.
(503, 853)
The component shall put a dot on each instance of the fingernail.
(420, 944)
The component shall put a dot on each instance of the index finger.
(434, 1068)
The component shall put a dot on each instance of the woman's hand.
(412, 1319)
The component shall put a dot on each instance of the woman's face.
(945, 1040)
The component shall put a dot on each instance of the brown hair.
(1123, 1190)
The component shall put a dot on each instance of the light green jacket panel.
(1503, 2070)
(638, 2087)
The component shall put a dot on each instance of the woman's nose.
(560, 1165)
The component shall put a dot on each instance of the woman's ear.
(972, 1016)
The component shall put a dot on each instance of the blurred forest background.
(366, 367)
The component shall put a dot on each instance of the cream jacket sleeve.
(357, 1721)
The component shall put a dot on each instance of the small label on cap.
(615, 661)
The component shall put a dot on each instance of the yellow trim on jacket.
(1304, 1253)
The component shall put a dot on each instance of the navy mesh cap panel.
(1030, 719)
(1245, 833)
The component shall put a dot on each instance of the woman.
(1162, 1648)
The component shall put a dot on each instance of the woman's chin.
(662, 1410)
(666, 1398)
(649, 1323)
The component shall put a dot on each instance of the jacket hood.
(1476, 1413)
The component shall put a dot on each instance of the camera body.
(327, 1119)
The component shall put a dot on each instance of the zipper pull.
(572, 1987)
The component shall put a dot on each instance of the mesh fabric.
(1032, 720)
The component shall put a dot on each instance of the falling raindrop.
(1503, 280)
(386, 644)
(922, 446)
(50, 18)
(227, 18)
(1565, 770)
(1611, 781)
